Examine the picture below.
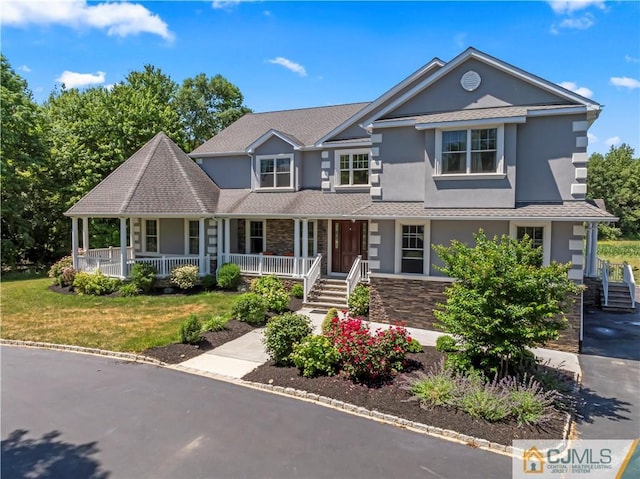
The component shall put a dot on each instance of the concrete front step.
(325, 306)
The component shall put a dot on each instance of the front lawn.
(32, 312)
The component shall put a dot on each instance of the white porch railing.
(107, 260)
(312, 276)
(364, 270)
(287, 266)
(109, 253)
(92, 264)
(165, 264)
(627, 277)
(605, 284)
(353, 278)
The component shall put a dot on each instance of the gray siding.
(402, 153)
(386, 248)
(545, 147)
(274, 146)
(444, 231)
(465, 193)
(354, 131)
(561, 233)
(229, 172)
(496, 89)
(171, 236)
(310, 169)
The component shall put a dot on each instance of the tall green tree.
(206, 106)
(21, 153)
(615, 177)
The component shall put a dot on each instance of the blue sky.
(298, 54)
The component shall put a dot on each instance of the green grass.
(622, 250)
(30, 311)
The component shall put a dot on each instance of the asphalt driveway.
(611, 376)
(72, 415)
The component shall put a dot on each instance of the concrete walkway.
(242, 355)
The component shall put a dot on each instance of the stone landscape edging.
(325, 401)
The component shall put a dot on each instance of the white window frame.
(274, 158)
(426, 258)
(351, 153)
(143, 228)
(546, 236)
(187, 237)
(247, 235)
(500, 162)
(312, 253)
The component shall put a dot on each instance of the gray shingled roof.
(567, 211)
(476, 114)
(306, 125)
(299, 203)
(157, 179)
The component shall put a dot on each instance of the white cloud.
(74, 80)
(630, 59)
(581, 23)
(224, 4)
(267, 13)
(582, 90)
(625, 82)
(460, 39)
(592, 138)
(24, 68)
(289, 65)
(570, 6)
(613, 141)
(118, 19)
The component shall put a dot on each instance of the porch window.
(256, 237)
(353, 168)
(275, 171)
(470, 151)
(311, 244)
(412, 249)
(535, 233)
(194, 237)
(151, 236)
(538, 231)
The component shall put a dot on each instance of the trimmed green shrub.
(328, 321)
(190, 330)
(282, 333)
(249, 307)
(95, 284)
(57, 271)
(273, 292)
(185, 277)
(446, 344)
(128, 290)
(315, 355)
(297, 291)
(414, 346)
(143, 275)
(208, 282)
(229, 276)
(359, 301)
(215, 323)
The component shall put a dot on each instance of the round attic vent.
(470, 80)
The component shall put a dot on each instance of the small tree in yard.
(502, 302)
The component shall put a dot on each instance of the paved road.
(611, 376)
(70, 415)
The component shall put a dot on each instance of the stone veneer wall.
(591, 295)
(280, 236)
(413, 302)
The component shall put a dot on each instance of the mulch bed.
(178, 352)
(391, 399)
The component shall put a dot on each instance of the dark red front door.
(348, 240)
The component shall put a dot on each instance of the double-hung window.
(256, 237)
(275, 171)
(193, 231)
(538, 231)
(353, 167)
(470, 151)
(311, 239)
(412, 248)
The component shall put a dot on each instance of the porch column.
(296, 246)
(219, 243)
(131, 235)
(201, 249)
(74, 241)
(123, 247)
(227, 235)
(85, 233)
(305, 238)
(593, 249)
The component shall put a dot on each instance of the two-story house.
(362, 191)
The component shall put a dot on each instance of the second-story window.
(275, 171)
(470, 151)
(353, 167)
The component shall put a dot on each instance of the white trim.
(383, 98)
(411, 277)
(426, 256)
(247, 234)
(575, 274)
(471, 176)
(374, 239)
(578, 189)
(187, 237)
(576, 245)
(500, 162)
(373, 252)
(324, 155)
(546, 235)
(351, 144)
(336, 167)
(376, 191)
(216, 154)
(269, 134)
(373, 226)
(470, 124)
(578, 230)
(374, 264)
(392, 123)
(143, 238)
(494, 62)
(581, 173)
(281, 156)
(570, 110)
(580, 157)
(577, 259)
(580, 126)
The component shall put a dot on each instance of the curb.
(446, 434)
